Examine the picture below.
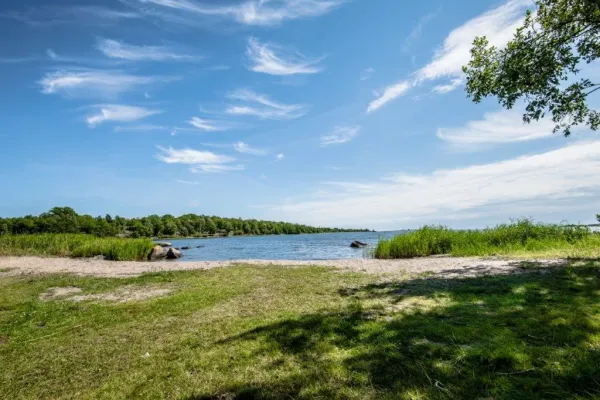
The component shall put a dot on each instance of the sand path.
(441, 266)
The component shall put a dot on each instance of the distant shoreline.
(274, 234)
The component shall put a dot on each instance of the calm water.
(326, 246)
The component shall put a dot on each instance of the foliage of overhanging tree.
(66, 220)
(542, 65)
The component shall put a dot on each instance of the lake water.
(325, 246)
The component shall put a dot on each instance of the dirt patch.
(56, 293)
(125, 295)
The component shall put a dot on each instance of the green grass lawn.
(279, 333)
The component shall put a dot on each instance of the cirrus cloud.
(498, 25)
(340, 135)
(272, 59)
(118, 113)
(199, 161)
(250, 12)
(94, 83)
(123, 51)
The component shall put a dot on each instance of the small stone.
(156, 253)
(173, 254)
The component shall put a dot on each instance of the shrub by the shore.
(522, 236)
(75, 245)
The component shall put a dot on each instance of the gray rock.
(157, 253)
(173, 254)
(356, 244)
(185, 248)
(163, 244)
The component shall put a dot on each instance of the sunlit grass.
(74, 245)
(274, 332)
(522, 238)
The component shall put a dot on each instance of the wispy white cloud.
(272, 59)
(216, 168)
(123, 51)
(182, 182)
(142, 128)
(498, 25)
(51, 54)
(51, 15)
(496, 127)
(448, 87)
(118, 113)
(340, 135)
(245, 148)
(367, 74)
(199, 161)
(94, 83)
(209, 125)
(417, 31)
(279, 157)
(390, 93)
(538, 180)
(218, 67)
(266, 109)
(191, 157)
(250, 12)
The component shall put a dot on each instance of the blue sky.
(325, 112)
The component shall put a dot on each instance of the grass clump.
(75, 245)
(302, 333)
(522, 237)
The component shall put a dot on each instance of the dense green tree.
(66, 220)
(542, 64)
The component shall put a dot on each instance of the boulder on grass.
(357, 245)
(157, 253)
(174, 254)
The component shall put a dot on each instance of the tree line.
(66, 220)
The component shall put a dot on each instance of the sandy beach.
(451, 267)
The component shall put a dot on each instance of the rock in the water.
(173, 254)
(185, 248)
(163, 244)
(356, 244)
(199, 247)
(157, 253)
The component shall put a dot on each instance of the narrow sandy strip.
(442, 266)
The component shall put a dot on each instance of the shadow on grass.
(525, 336)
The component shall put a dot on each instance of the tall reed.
(75, 245)
(521, 235)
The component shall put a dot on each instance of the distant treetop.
(66, 220)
